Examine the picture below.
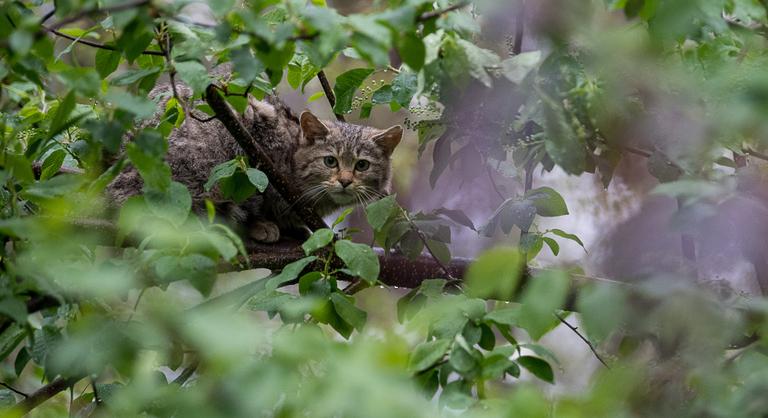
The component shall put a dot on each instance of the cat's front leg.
(264, 231)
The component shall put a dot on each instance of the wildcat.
(334, 164)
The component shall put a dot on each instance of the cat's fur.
(298, 147)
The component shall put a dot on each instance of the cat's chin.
(342, 199)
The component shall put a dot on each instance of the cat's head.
(340, 164)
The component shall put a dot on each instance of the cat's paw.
(264, 231)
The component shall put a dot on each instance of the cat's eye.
(362, 165)
(330, 162)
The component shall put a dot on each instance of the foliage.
(141, 315)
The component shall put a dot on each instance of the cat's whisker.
(305, 196)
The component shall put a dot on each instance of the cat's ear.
(311, 127)
(389, 139)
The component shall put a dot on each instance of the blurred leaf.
(427, 354)
(65, 108)
(495, 273)
(545, 293)
(515, 69)
(107, 62)
(172, 205)
(52, 164)
(14, 308)
(412, 50)
(603, 309)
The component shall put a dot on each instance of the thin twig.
(493, 182)
(329, 93)
(48, 16)
(14, 390)
(437, 13)
(583, 338)
(93, 44)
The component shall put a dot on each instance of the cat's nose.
(345, 182)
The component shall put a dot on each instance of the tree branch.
(93, 44)
(258, 156)
(44, 393)
(437, 13)
(583, 338)
(329, 93)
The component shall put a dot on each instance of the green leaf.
(360, 259)
(462, 360)
(52, 164)
(412, 50)
(504, 316)
(346, 86)
(342, 216)
(319, 239)
(553, 245)
(495, 366)
(289, 272)
(603, 309)
(14, 308)
(561, 142)
(562, 234)
(219, 172)
(348, 311)
(545, 293)
(172, 205)
(258, 179)
(537, 367)
(457, 216)
(440, 250)
(194, 74)
(59, 121)
(380, 211)
(548, 202)
(496, 273)
(307, 281)
(10, 339)
(107, 62)
(404, 87)
(426, 354)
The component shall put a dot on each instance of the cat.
(333, 164)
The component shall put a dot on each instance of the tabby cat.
(333, 164)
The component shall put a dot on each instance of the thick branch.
(43, 394)
(258, 156)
